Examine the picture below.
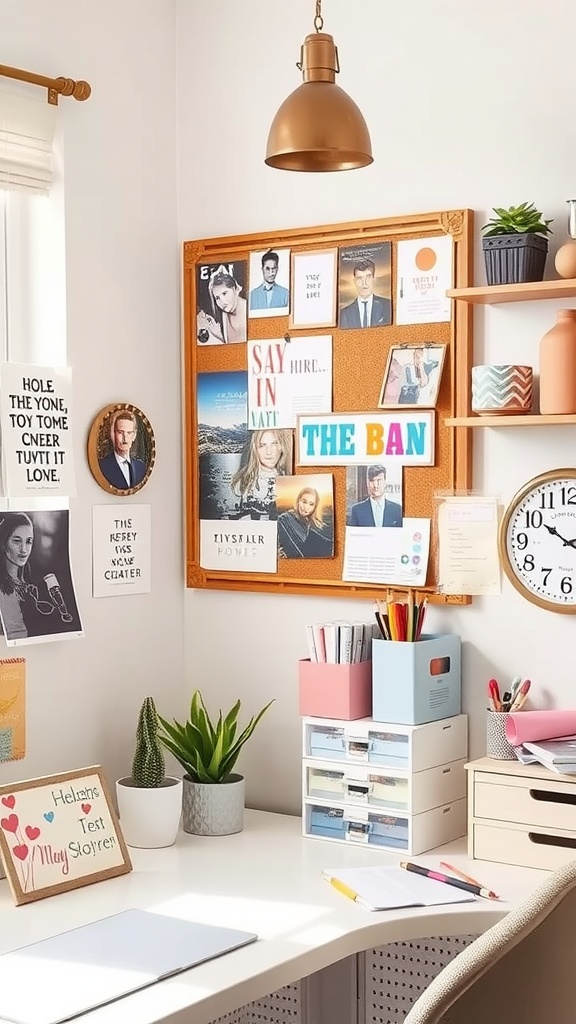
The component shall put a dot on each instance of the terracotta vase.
(558, 365)
(565, 260)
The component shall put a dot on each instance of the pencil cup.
(414, 682)
(497, 745)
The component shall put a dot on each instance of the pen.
(344, 889)
(494, 694)
(477, 890)
(521, 695)
(515, 684)
(456, 871)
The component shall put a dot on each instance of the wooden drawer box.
(520, 814)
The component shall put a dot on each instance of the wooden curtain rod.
(56, 86)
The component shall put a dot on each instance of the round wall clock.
(121, 449)
(537, 540)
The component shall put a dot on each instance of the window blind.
(26, 136)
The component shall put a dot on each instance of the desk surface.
(267, 879)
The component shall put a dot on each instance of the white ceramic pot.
(501, 390)
(215, 809)
(149, 818)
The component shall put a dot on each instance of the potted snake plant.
(213, 795)
(149, 801)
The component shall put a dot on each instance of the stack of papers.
(559, 755)
(390, 888)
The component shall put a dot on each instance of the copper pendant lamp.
(318, 127)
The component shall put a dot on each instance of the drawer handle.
(358, 829)
(541, 840)
(553, 798)
(356, 788)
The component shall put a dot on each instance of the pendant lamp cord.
(318, 20)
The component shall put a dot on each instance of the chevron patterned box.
(501, 390)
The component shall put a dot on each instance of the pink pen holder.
(335, 691)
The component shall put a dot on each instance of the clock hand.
(554, 532)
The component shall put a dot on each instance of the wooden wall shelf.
(521, 420)
(491, 294)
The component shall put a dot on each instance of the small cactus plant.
(148, 766)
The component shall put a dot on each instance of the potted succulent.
(213, 796)
(515, 244)
(149, 802)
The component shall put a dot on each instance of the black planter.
(513, 259)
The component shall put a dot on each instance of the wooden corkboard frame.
(356, 387)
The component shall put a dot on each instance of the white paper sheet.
(388, 554)
(468, 560)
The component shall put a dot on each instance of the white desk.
(267, 880)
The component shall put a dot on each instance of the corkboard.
(356, 388)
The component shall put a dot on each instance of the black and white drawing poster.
(37, 597)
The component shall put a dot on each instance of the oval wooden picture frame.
(103, 466)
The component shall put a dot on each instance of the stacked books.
(559, 755)
(340, 643)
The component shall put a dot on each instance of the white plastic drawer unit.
(412, 748)
(521, 814)
(409, 833)
(394, 790)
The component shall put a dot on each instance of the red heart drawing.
(9, 824)
(32, 832)
(9, 801)
(86, 808)
(20, 851)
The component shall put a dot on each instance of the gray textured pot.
(213, 810)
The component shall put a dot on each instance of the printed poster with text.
(121, 550)
(423, 275)
(287, 378)
(35, 416)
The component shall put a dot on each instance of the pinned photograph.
(365, 285)
(305, 516)
(269, 283)
(374, 495)
(412, 376)
(221, 305)
(266, 456)
(37, 598)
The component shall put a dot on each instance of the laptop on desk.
(62, 977)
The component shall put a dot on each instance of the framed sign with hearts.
(59, 832)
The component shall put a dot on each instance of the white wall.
(123, 343)
(469, 106)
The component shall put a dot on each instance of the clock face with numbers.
(537, 540)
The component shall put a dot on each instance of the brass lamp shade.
(318, 127)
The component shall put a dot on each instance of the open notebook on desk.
(59, 978)
(390, 888)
